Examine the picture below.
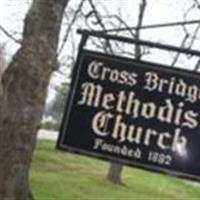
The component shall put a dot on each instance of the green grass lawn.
(64, 176)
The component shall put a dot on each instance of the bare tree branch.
(197, 3)
(99, 21)
(188, 34)
(69, 27)
(194, 35)
(122, 22)
(197, 66)
(10, 35)
(139, 24)
(181, 46)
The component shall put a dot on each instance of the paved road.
(48, 135)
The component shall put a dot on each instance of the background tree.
(115, 170)
(56, 107)
(2, 64)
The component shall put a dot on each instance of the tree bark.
(114, 173)
(24, 90)
(2, 65)
(115, 170)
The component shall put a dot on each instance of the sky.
(12, 14)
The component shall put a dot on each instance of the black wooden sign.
(136, 113)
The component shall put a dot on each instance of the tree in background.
(115, 169)
(55, 108)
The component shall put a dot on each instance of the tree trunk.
(24, 90)
(2, 65)
(115, 170)
(114, 173)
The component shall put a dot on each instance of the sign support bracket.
(97, 34)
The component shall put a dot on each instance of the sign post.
(136, 113)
